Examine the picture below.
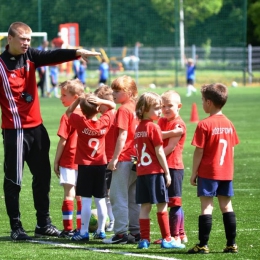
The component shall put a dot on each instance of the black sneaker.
(49, 231)
(134, 239)
(231, 249)
(116, 239)
(66, 233)
(199, 250)
(19, 234)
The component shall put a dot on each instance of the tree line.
(152, 22)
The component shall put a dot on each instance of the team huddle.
(121, 158)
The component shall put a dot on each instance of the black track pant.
(31, 146)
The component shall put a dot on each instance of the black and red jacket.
(17, 76)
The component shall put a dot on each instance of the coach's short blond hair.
(19, 27)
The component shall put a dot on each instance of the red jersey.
(126, 120)
(147, 137)
(174, 159)
(91, 139)
(217, 136)
(17, 76)
(69, 133)
(110, 137)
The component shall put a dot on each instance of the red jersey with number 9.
(147, 136)
(91, 138)
(217, 136)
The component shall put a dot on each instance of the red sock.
(163, 220)
(67, 214)
(145, 228)
(79, 205)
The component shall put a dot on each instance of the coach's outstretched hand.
(86, 53)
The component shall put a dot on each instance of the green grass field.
(242, 108)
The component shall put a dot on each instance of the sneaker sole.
(41, 235)
(115, 242)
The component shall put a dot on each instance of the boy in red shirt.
(213, 167)
(64, 165)
(91, 160)
(153, 176)
(105, 92)
(173, 147)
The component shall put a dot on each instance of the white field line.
(100, 250)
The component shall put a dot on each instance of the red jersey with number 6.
(147, 136)
(217, 136)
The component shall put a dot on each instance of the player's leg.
(39, 164)
(133, 207)
(143, 198)
(99, 193)
(175, 203)
(108, 203)
(207, 189)
(229, 217)
(119, 201)
(13, 168)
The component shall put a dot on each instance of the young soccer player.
(153, 176)
(173, 147)
(190, 75)
(105, 92)
(123, 185)
(64, 166)
(213, 167)
(91, 159)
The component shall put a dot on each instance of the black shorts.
(151, 189)
(91, 181)
(190, 81)
(175, 189)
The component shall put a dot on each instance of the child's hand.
(168, 180)
(57, 169)
(178, 129)
(94, 100)
(193, 180)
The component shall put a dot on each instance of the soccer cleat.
(49, 231)
(19, 234)
(172, 244)
(116, 239)
(78, 237)
(143, 244)
(159, 241)
(199, 250)
(110, 226)
(100, 235)
(184, 238)
(231, 249)
(66, 233)
(133, 239)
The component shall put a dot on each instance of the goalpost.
(44, 35)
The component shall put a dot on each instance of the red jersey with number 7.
(217, 136)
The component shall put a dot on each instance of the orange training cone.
(194, 117)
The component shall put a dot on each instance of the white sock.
(109, 210)
(102, 213)
(85, 214)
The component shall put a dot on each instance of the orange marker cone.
(194, 117)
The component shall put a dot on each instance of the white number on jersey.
(96, 144)
(224, 150)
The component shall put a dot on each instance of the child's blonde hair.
(73, 86)
(173, 95)
(104, 92)
(127, 84)
(145, 102)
